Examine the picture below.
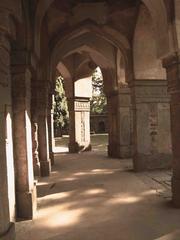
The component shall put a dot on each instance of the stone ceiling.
(120, 15)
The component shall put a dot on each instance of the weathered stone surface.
(7, 181)
(79, 110)
(23, 142)
(34, 122)
(151, 117)
(51, 128)
(172, 65)
(43, 138)
(9, 234)
(125, 112)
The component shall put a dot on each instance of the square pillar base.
(37, 170)
(114, 150)
(73, 147)
(45, 168)
(86, 148)
(9, 234)
(176, 192)
(125, 152)
(26, 204)
(143, 162)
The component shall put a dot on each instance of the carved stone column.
(172, 65)
(34, 122)
(7, 190)
(125, 122)
(25, 187)
(113, 118)
(45, 162)
(79, 121)
(51, 128)
(73, 145)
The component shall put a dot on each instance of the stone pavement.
(92, 197)
(160, 181)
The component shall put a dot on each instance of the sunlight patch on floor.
(64, 218)
(56, 196)
(94, 191)
(123, 200)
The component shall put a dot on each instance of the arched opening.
(98, 113)
(60, 117)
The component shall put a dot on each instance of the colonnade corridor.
(90, 196)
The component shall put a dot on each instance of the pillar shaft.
(79, 129)
(45, 163)
(151, 125)
(73, 145)
(113, 119)
(25, 188)
(34, 121)
(125, 122)
(7, 190)
(172, 65)
(51, 128)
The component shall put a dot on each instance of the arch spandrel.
(158, 13)
(83, 44)
(147, 65)
(156, 8)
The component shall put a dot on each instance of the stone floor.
(92, 197)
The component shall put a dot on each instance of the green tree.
(98, 100)
(61, 114)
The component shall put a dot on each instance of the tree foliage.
(61, 115)
(98, 100)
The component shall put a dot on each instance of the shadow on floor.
(92, 197)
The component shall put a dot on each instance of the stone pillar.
(25, 187)
(73, 145)
(34, 121)
(125, 123)
(45, 162)
(51, 128)
(7, 189)
(79, 124)
(172, 65)
(114, 124)
(151, 125)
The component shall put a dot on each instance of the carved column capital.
(21, 82)
(171, 60)
(42, 90)
(172, 65)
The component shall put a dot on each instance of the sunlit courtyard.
(99, 142)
